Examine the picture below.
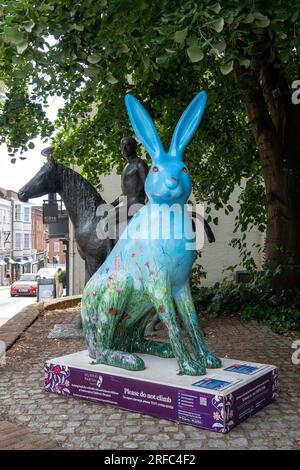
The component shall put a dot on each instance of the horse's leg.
(188, 314)
(104, 301)
(154, 325)
(87, 271)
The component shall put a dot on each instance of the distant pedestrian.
(8, 279)
(59, 282)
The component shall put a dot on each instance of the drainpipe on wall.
(71, 258)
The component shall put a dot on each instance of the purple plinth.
(201, 405)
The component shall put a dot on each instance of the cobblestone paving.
(76, 424)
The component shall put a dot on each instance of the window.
(27, 277)
(2, 215)
(27, 244)
(56, 247)
(18, 241)
(26, 214)
(18, 212)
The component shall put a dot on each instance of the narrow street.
(9, 306)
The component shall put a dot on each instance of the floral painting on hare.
(148, 270)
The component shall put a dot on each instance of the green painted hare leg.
(102, 311)
(165, 309)
(188, 314)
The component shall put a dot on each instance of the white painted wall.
(218, 256)
(111, 186)
(5, 234)
(22, 227)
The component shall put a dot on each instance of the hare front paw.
(192, 368)
(212, 361)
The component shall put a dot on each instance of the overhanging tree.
(92, 52)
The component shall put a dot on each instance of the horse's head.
(44, 182)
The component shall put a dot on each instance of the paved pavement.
(79, 424)
(9, 306)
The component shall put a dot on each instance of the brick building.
(56, 253)
(39, 238)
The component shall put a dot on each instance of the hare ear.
(143, 126)
(187, 124)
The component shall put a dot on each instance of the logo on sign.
(99, 381)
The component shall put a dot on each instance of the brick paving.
(16, 437)
(76, 424)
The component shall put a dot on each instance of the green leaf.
(229, 19)
(195, 53)
(22, 47)
(31, 145)
(143, 4)
(124, 48)
(180, 36)
(146, 62)
(262, 22)
(2, 86)
(216, 7)
(13, 35)
(29, 25)
(111, 79)
(258, 15)
(91, 71)
(78, 27)
(217, 25)
(21, 74)
(226, 68)
(245, 62)
(249, 19)
(129, 78)
(94, 59)
(219, 46)
(164, 59)
(192, 41)
(295, 15)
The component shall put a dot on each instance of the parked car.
(46, 273)
(25, 285)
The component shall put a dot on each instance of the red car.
(25, 285)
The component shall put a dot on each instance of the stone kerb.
(13, 328)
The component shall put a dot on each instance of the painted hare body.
(150, 265)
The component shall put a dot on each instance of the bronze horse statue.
(81, 200)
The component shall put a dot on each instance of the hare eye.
(155, 169)
(184, 169)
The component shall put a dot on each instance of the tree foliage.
(92, 52)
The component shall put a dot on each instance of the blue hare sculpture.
(148, 268)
